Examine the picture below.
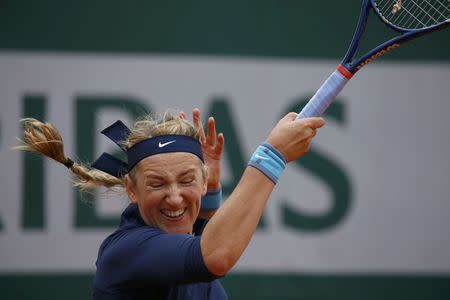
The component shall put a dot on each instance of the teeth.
(173, 214)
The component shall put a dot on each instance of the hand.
(293, 137)
(212, 147)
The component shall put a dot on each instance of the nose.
(173, 196)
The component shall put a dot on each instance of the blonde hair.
(44, 138)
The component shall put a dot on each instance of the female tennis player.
(163, 249)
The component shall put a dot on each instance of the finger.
(196, 118)
(305, 133)
(310, 133)
(182, 115)
(220, 144)
(314, 122)
(211, 131)
(196, 113)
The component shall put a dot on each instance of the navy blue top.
(142, 262)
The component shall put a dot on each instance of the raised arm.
(227, 235)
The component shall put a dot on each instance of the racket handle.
(329, 90)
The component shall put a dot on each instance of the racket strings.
(435, 10)
(414, 14)
(418, 15)
(429, 13)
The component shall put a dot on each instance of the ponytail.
(44, 138)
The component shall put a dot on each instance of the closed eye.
(187, 181)
(154, 185)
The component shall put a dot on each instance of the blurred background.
(364, 215)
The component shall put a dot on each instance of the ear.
(130, 188)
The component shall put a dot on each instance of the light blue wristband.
(269, 161)
(212, 200)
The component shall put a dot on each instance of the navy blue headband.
(163, 144)
(118, 133)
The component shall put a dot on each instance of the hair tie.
(69, 163)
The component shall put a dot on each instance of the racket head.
(399, 22)
(413, 15)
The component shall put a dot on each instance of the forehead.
(173, 163)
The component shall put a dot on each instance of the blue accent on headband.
(118, 133)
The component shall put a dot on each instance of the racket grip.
(329, 90)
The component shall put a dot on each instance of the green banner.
(269, 28)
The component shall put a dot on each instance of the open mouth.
(173, 214)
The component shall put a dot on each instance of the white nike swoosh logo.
(260, 157)
(165, 144)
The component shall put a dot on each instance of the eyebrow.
(154, 176)
(191, 170)
(159, 177)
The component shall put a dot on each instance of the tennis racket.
(410, 18)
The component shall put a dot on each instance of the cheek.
(194, 195)
(194, 200)
(149, 201)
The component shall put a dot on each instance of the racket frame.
(405, 36)
(333, 85)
